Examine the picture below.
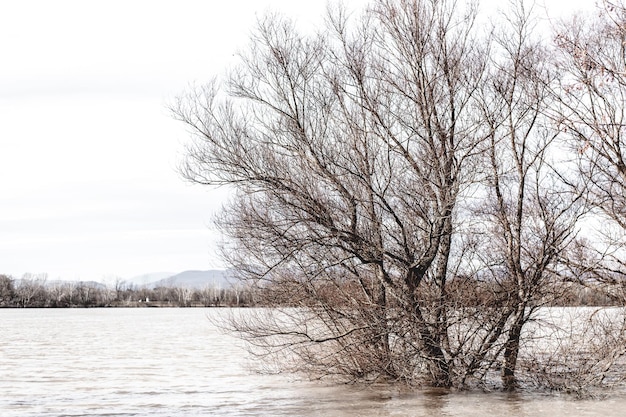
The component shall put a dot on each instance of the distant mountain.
(148, 279)
(196, 279)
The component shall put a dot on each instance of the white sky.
(88, 151)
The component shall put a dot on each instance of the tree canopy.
(400, 193)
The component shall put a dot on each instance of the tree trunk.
(438, 366)
(511, 352)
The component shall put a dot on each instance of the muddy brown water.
(174, 362)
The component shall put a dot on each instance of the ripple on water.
(174, 362)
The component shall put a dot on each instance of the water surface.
(175, 362)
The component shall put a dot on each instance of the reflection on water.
(174, 362)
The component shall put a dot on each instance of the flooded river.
(174, 362)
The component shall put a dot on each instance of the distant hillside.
(196, 279)
(148, 279)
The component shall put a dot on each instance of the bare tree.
(120, 286)
(183, 295)
(591, 112)
(30, 290)
(348, 151)
(57, 295)
(7, 290)
(355, 156)
(530, 216)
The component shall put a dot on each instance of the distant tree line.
(34, 291)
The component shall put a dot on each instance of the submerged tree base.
(579, 351)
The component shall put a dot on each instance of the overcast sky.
(88, 151)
